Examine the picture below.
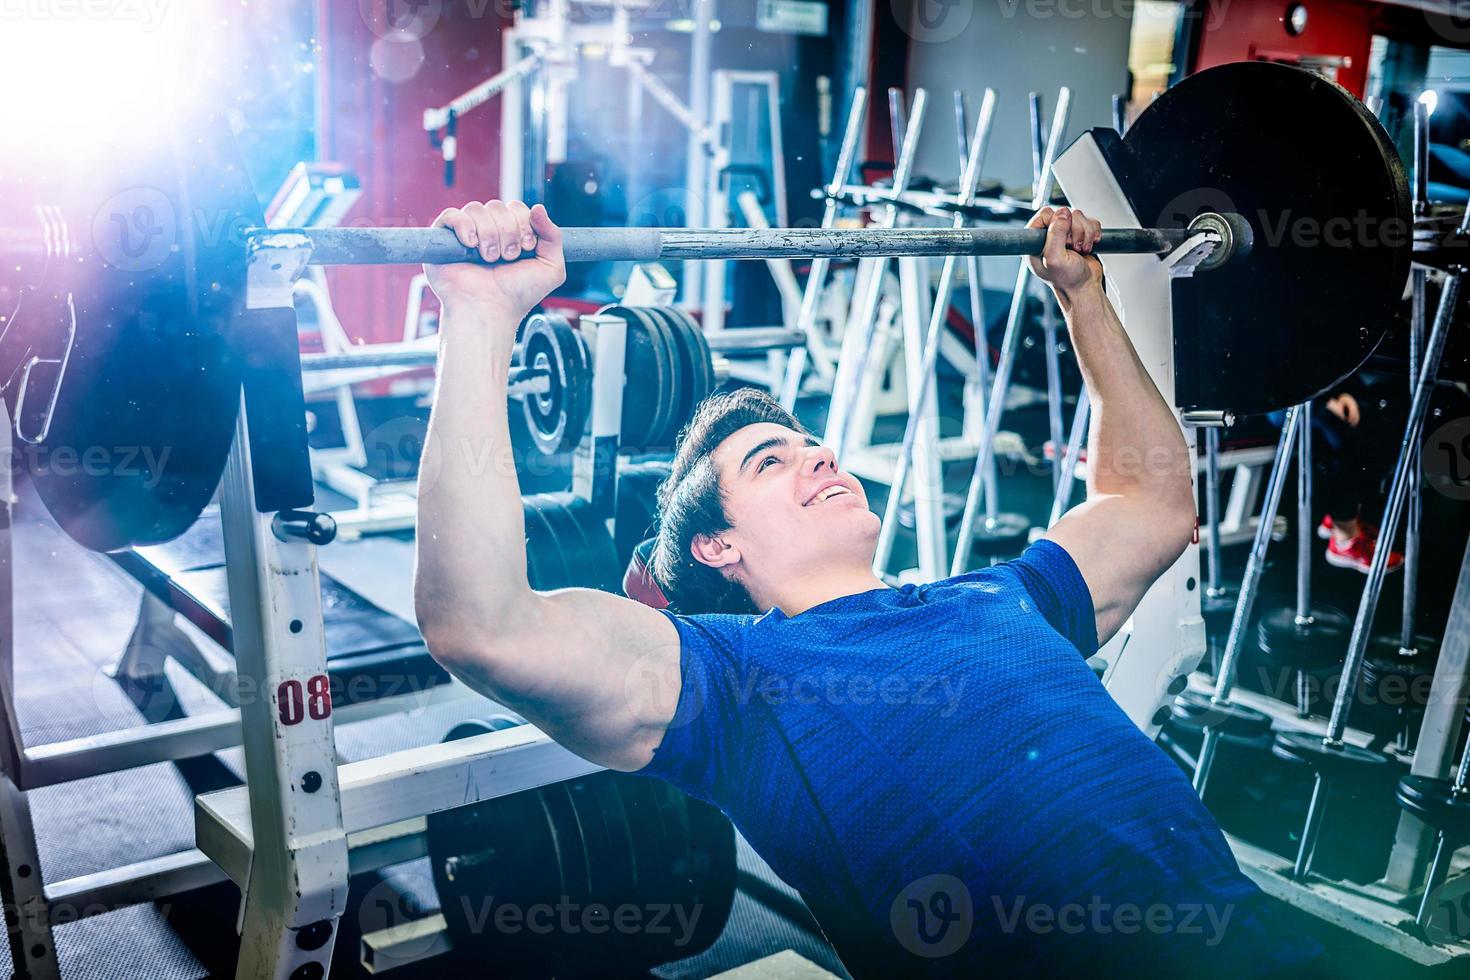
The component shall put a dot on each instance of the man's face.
(791, 510)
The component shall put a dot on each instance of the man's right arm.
(599, 673)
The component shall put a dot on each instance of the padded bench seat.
(371, 653)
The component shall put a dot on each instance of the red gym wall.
(375, 126)
(1246, 30)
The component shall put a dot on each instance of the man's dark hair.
(691, 503)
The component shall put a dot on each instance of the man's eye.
(765, 462)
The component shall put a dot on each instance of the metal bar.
(1069, 462)
(858, 334)
(1304, 528)
(1439, 733)
(435, 119)
(1053, 387)
(1038, 137)
(969, 177)
(750, 340)
(816, 277)
(1416, 342)
(1250, 583)
(1212, 509)
(1393, 511)
(977, 386)
(411, 246)
(984, 450)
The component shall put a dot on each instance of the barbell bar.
(438, 246)
(176, 308)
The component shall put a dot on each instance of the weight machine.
(543, 49)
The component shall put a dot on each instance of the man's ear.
(714, 551)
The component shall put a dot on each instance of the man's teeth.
(829, 492)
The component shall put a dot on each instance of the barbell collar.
(437, 246)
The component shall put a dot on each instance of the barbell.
(144, 265)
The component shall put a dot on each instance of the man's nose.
(819, 458)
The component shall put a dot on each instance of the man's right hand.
(523, 243)
(1066, 261)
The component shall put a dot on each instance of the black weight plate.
(575, 548)
(596, 838)
(1195, 710)
(706, 362)
(557, 418)
(1313, 646)
(545, 568)
(618, 866)
(651, 883)
(1435, 802)
(1006, 533)
(712, 859)
(514, 863)
(646, 369)
(1328, 201)
(566, 537)
(637, 508)
(1304, 748)
(571, 845)
(147, 406)
(603, 553)
(1218, 610)
(668, 390)
(704, 369)
(688, 377)
(481, 726)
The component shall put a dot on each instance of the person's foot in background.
(1351, 543)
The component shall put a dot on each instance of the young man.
(935, 768)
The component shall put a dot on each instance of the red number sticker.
(319, 697)
(295, 705)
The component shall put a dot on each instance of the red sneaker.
(1324, 530)
(1357, 552)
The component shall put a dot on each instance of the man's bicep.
(1112, 540)
(599, 673)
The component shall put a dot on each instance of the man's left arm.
(1140, 512)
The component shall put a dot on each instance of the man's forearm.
(1135, 446)
(471, 532)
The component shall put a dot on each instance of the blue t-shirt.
(940, 774)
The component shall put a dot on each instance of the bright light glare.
(86, 87)
(1429, 99)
